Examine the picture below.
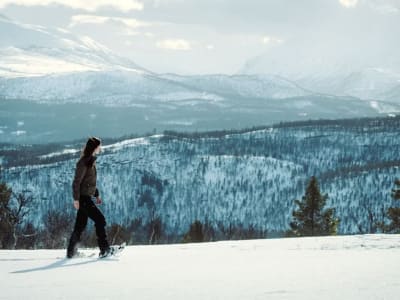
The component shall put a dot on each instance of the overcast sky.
(217, 36)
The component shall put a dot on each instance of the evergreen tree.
(311, 219)
(195, 234)
(394, 212)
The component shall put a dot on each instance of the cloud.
(88, 5)
(268, 40)
(129, 32)
(210, 47)
(348, 3)
(174, 44)
(385, 7)
(93, 19)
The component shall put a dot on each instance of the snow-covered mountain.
(256, 86)
(31, 50)
(245, 180)
(52, 64)
(368, 83)
(111, 88)
(332, 69)
(52, 67)
(361, 267)
(38, 63)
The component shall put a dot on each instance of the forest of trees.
(214, 186)
(309, 219)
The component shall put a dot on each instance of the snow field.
(343, 267)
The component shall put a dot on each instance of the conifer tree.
(195, 234)
(394, 212)
(310, 219)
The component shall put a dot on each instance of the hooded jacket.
(84, 183)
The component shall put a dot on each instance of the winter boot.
(105, 252)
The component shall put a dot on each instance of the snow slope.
(250, 86)
(31, 50)
(342, 72)
(346, 267)
(39, 63)
(52, 66)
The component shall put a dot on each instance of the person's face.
(97, 150)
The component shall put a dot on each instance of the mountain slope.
(245, 180)
(368, 83)
(73, 82)
(344, 71)
(30, 50)
(257, 86)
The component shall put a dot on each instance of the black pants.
(87, 209)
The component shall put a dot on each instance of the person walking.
(86, 196)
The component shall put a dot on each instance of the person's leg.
(100, 223)
(80, 225)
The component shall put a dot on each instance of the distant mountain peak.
(32, 50)
(369, 76)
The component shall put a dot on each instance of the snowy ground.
(347, 267)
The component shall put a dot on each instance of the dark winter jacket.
(85, 178)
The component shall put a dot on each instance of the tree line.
(310, 218)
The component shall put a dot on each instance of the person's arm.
(97, 195)
(76, 184)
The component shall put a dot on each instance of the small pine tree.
(311, 219)
(195, 234)
(394, 212)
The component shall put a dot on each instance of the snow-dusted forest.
(235, 179)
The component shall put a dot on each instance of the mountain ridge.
(247, 179)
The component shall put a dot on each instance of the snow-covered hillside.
(31, 50)
(367, 83)
(54, 66)
(255, 86)
(111, 88)
(348, 267)
(51, 64)
(249, 180)
(344, 71)
(60, 87)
